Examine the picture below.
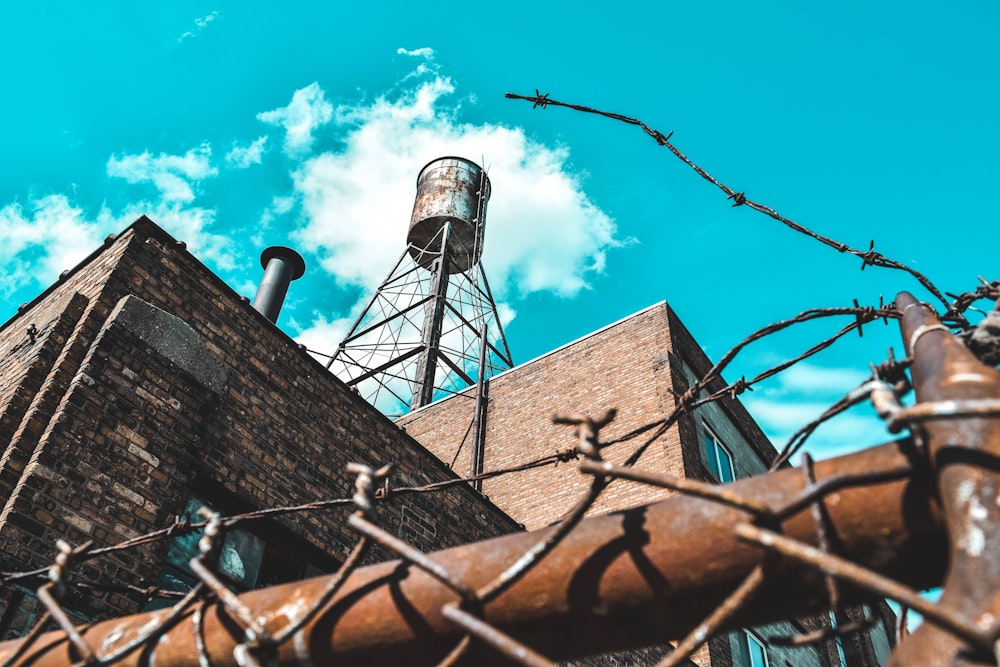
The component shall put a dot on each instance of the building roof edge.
(595, 332)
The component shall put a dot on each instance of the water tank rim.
(450, 157)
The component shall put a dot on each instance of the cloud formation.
(172, 175)
(47, 237)
(542, 231)
(199, 25)
(423, 52)
(241, 157)
(53, 234)
(191, 224)
(800, 394)
(175, 178)
(307, 111)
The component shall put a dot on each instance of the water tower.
(432, 328)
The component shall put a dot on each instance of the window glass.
(725, 463)
(720, 459)
(246, 560)
(713, 460)
(756, 655)
(240, 556)
(838, 640)
(185, 547)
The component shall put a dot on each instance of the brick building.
(637, 366)
(140, 386)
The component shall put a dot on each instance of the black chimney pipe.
(281, 266)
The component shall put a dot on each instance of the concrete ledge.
(172, 337)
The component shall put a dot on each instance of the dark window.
(720, 459)
(254, 557)
(756, 651)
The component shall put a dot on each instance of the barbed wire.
(868, 257)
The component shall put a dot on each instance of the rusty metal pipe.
(628, 579)
(964, 449)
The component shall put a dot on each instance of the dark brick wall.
(31, 387)
(156, 378)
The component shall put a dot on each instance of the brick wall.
(622, 366)
(637, 365)
(149, 377)
(688, 362)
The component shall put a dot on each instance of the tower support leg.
(430, 338)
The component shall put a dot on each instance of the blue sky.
(237, 125)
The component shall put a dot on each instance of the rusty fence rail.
(886, 522)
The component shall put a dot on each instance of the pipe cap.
(293, 258)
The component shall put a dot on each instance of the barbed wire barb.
(869, 257)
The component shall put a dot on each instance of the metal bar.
(382, 323)
(477, 453)
(455, 369)
(423, 389)
(721, 493)
(501, 642)
(389, 364)
(361, 316)
(859, 576)
(506, 358)
(710, 625)
(489, 345)
(964, 449)
(633, 578)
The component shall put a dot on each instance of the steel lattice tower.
(432, 327)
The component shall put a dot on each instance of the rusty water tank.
(455, 190)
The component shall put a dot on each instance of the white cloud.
(279, 206)
(307, 111)
(542, 231)
(52, 235)
(323, 334)
(191, 225)
(241, 157)
(423, 52)
(800, 394)
(172, 175)
(204, 21)
(199, 25)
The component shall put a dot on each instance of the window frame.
(750, 639)
(838, 639)
(275, 548)
(713, 446)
